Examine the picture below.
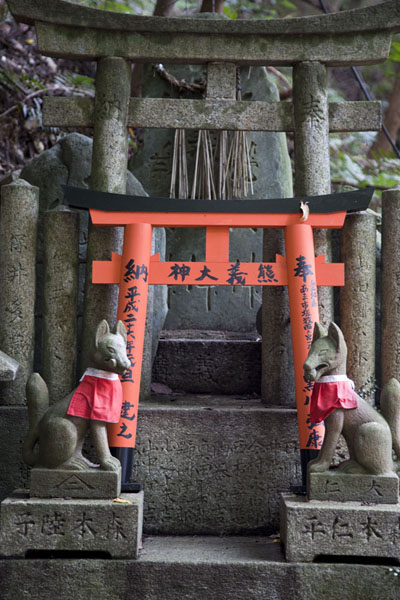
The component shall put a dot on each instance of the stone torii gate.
(310, 45)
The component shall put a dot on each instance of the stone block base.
(93, 483)
(206, 362)
(214, 465)
(197, 568)
(310, 529)
(36, 524)
(340, 487)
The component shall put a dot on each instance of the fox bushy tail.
(390, 407)
(38, 401)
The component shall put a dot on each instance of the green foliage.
(135, 7)
(69, 79)
(350, 165)
(395, 52)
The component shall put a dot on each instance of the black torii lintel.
(343, 201)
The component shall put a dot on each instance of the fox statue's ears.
(121, 329)
(102, 329)
(319, 332)
(335, 333)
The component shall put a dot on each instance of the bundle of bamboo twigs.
(220, 173)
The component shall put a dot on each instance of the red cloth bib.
(326, 396)
(98, 398)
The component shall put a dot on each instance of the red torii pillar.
(136, 269)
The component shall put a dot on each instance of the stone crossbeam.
(163, 113)
(382, 17)
(353, 37)
(192, 48)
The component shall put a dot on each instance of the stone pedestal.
(76, 525)
(341, 487)
(310, 529)
(57, 483)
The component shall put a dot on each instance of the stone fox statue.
(56, 433)
(369, 435)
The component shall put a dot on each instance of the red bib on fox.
(330, 392)
(97, 397)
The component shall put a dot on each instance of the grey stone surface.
(312, 168)
(313, 528)
(390, 354)
(71, 525)
(109, 162)
(190, 48)
(8, 367)
(60, 298)
(196, 568)
(18, 236)
(219, 114)
(200, 307)
(13, 428)
(194, 362)
(357, 297)
(277, 379)
(61, 483)
(346, 487)
(214, 465)
(384, 16)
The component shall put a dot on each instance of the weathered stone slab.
(313, 528)
(60, 299)
(385, 16)
(190, 48)
(214, 465)
(163, 113)
(390, 355)
(18, 236)
(79, 525)
(172, 568)
(341, 487)
(8, 367)
(57, 483)
(357, 299)
(207, 362)
(13, 428)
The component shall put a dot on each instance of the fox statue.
(370, 435)
(56, 433)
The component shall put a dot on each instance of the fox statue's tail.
(390, 407)
(38, 401)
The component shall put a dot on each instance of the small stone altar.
(93, 483)
(329, 528)
(31, 524)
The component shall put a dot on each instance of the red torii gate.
(300, 270)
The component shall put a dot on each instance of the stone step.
(214, 464)
(197, 568)
(209, 362)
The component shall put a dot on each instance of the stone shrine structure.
(209, 466)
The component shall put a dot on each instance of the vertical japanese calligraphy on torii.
(300, 270)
